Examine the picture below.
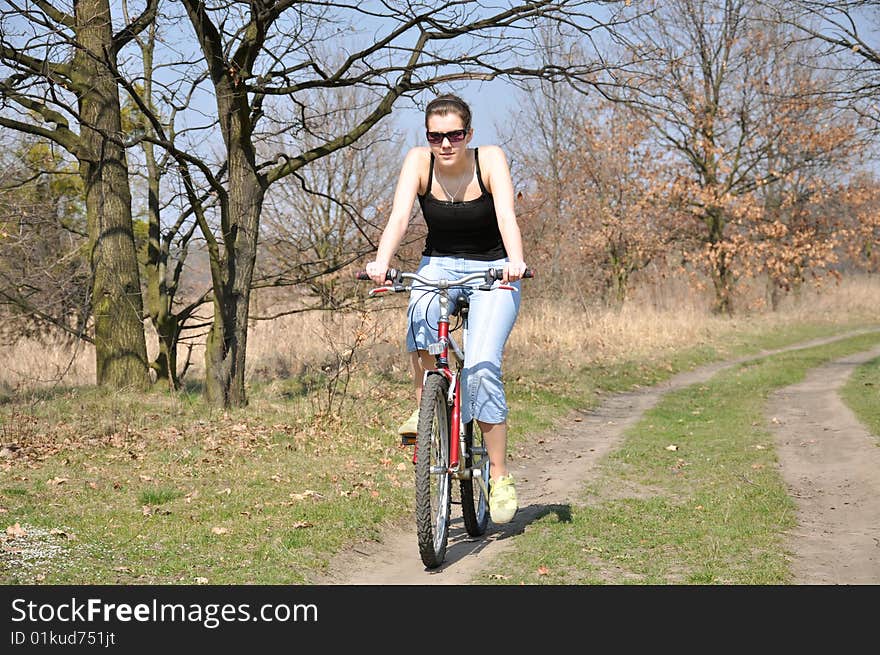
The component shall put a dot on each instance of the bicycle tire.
(433, 490)
(474, 502)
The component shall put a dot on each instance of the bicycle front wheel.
(433, 481)
(474, 502)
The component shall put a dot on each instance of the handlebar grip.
(498, 273)
(390, 274)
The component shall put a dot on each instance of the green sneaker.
(411, 428)
(502, 499)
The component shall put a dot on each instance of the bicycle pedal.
(407, 440)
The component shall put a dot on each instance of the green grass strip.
(862, 394)
(710, 511)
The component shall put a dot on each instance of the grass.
(252, 496)
(159, 488)
(709, 511)
(862, 394)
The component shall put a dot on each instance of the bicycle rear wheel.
(433, 481)
(474, 503)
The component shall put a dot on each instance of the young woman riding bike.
(466, 197)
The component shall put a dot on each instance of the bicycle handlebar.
(398, 277)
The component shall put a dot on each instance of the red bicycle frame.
(455, 428)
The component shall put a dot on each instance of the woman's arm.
(497, 179)
(401, 209)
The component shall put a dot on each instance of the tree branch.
(60, 135)
(138, 25)
(56, 14)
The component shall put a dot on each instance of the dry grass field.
(657, 320)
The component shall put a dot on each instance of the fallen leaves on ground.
(39, 439)
(15, 530)
(308, 493)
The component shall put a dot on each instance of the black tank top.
(468, 228)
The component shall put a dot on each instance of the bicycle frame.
(441, 348)
(444, 341)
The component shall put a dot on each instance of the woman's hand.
(513, 271)
(378, 272)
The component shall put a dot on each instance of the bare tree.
(59, 84)
(720, 95)
(44, 273)
(552, 110)
(609, 181)
(262, 54)
(324, 217)
(848, 30)
(164, 247)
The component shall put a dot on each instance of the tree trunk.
(165, 365)
(227, 341)
(774, 292)
(722, 279)
(159, 298)
(617, 278)
(719, 265)
(120, 344)
(160, 288)
(621, 285)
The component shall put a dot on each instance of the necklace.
(461, 185)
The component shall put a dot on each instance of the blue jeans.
(490, 320)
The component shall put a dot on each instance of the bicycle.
(454, 450)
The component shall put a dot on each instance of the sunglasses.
(456, 136)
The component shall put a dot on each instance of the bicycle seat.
(462, 304)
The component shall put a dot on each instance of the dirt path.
(831, 465)
(559, 465)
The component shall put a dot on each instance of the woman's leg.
(420, 361)
(491, 318)
(495, 438)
